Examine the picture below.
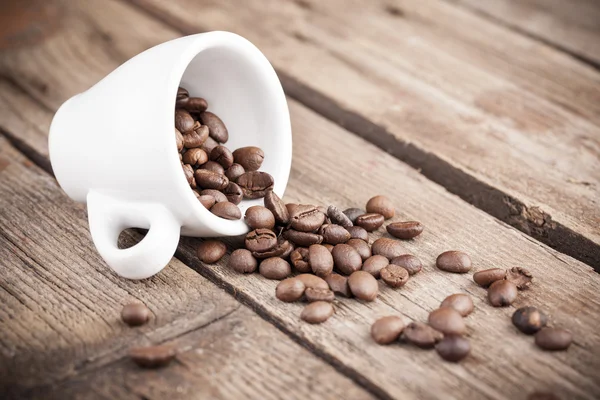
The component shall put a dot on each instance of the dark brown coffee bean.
(389, 248)
(370, 222)
(334, 234)
(542, 396)
(210, 180)
(291, 208)
(209, 144)
(381, 205)
(219, 197)
(361, 247)
(356, 232)
(299, 259)
(207, 201)
(338, 284)
(233, 193)
(521, 277)
(152, 356)
(448, 321)
(290, 290)
(196, 137)
(421, 335)
(502, 293)
(362, 285)
(394, 275)
(216, 127)
(211, 251)
(409, 262)
(275, 268)
(317, 312)
(234, 172)
(259, 217)
(553, 339)
(214, 167)
(529, 320)
(303, 239)
(387, 329)
(313, 295)
(183, 121)
(328, 247)
(195, 157)
(320, 260)
(312, 281)
(255, 184)
(454, 261)
(242, 261)
(460, 302)
(338, 217)
(189, 175)
(283, 247)
(375, 264)
(260, 240)
(182, 93)
(226, 210)
(306, 218)
(222, 155)
(178, 140)
(486, 277)
(405, 230)
(251, 158)
(277, 207)
(288, 250)
(135, 314)
(346, 259)
(353, 213)
(195, 105)
(453, 348)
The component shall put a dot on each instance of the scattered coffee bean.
(387, 329)
(338, 217)
(502, 293)
(291, 208)
(189, 175)
(346, 259)
(409, 262)
(242, 261)
(394, 275)
(283, 247)
(553, 339)
(251, 158)
(211, 251)
(381, 205)
(306, 218)
(210, 180)
(353, 213)
(338, 284)
(259, 217)
(195, 157)
(216, 127)
(334, 234)
(453, 348)
(207, 201)
(328, 247)
(275, 268)
(152, 356)
(303, 239)
(135, 314)
(529, 320)
(362, 285)
(454, 261)
(361, 247)
(214, 167)
(375, 264)
(313, 295)
(521, 277)
(448, 321)
(421, 335)
(234, 172)
(317, 312)
(183, 121)
(357, 232)
(299, 259)
(320, 260)
(405, 230)
(218, 196)
(226, 210)
(312, 281)
(389, 248)
(290, 290)
(197, 137)
(260, 240)
(233, 193)
(255, 184)
(277, 207)
(222, 155)
(460, 302)
(370, 222)
(486, 277)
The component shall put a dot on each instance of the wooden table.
(481, 121)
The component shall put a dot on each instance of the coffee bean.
(251, 158)
(486, 277)
(421, 335)
(409, 262)
(317, 312)
(338, 284)
(453, 348)
(334, 234)
(195, 157)
(277, 207)
(299, 259)
(338, 217)
(242, 261)
(219, 197)
(405, 230)
(529, 320)
(135, 314)
(312, 281)
(394, 275)
(260, 240)
(178, 140)
(222, 155)
(180, 157)
(381, 205)
(312, 295)
(306, 218)
(357, 232)
(275, 268)
(291, 208)
(152, 356)
(454, 261)
(233, 193)
(195, 105)
(521, 277)
(361, 247)
(210, 180)
(502, 293)
(375, 264)
(216, 127)
(259, 217)
(370, 222)
(553, 339)
(189, 175)
(182, 93)
(207, 201)
(542, 396)
(226, 210)
(290, 290)
(197, 137)
(234, 172)
(183, 121)
(388, 248)
(255, 184)
(282, 249)
(328, 247)
(346, 259)
(448, 321)
(460, 302)
(353, 213)
(303, 239)
(387, 329)
(209, 144)
(214, 167)
(211, 251)
(362, 285)
(320, 260)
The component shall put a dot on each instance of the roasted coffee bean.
(454, 261)
(346, 259)
(387, 329)
(211, 251)
(135, 314)
(209, 144)
(303, 239)
(453, 348)
(353, 213)
(338, 217)
(329, 247)
(405, 230)
(183, 121)
(180, 157)
(178, 140)
(529, 320)
(275, 268)
(277, 207)
(389, 248)
(195, 105)
(370, 222)
(259, 217)
(375, 264)
(299, 259)
(226, 210)
(288, 251)
(486, 277)
(260, 240)
(313, 295)
(290, 290)
(409, 262)
(502, 293)
(189, 175)
(381, 205)
(196, 137)
(460, 302)
(421, 335)
(291, 208)
(222, 155)
(356, 232)
(542, 396)
(317, 312)
(214, 167)
(320, 260)
(219, 197)
(195, 157)
(152, 356)
(234, 172)
(521, 277)
(338, 284)
(361, 247)
(312, 281)
(283, 247)
(394, 275)
(362, 285)
(306, 218)
(210, 180)
(233, 193)
(216, 127)
(251, 158)
(182, 93)
(207, 201)
(334, 234)
(255, 184)
(242, 261)
(553, 339)
(448, 321)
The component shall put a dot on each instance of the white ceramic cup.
(113, 146)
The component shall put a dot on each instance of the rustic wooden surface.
(227, 351)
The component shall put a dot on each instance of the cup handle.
(108, 217)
